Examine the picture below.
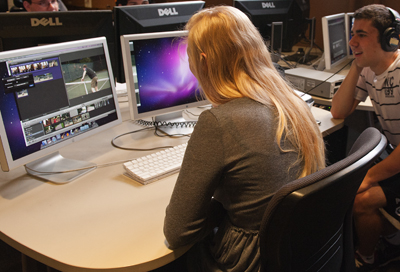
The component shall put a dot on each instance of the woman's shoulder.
(238, 106)
(239, 109)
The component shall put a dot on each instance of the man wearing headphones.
(375, 72)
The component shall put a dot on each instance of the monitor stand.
(175, 124)
(184, 121)
(57, 169)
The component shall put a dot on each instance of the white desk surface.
(102, 221)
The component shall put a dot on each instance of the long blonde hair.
(230, 60)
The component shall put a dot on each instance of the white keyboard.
(155, 166)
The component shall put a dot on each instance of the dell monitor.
(292, 13)
(48, 102)
(335, 37)
(28, 29)
(158, 77)
(150, 18)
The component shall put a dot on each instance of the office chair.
(307, 225)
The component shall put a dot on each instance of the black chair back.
(307, 225)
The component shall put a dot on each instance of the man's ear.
(26, 5)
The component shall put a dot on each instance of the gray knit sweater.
(231, 157)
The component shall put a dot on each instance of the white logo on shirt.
(388, 86)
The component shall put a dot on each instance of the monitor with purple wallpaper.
(159, 80)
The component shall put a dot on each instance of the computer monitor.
(349, 26)
(292, 13)
(150, 18)
(335, 37)
(28, 29)
(159, 80)
(47, 103)
(3, 6)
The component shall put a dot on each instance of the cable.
(61, 172)
(191, 113)
(169, 135)
(154, 123)
(136, 149)
(329, 77)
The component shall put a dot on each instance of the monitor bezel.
(130, 83)
(6, 160)
(325, 34)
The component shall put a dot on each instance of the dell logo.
(167, 12)
(268, 5)
(46, 22)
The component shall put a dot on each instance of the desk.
(328, 124)
(364, 106)
(103, 221)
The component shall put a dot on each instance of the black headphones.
(390, 37)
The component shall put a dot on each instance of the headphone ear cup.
(390, 40)
(390, 37)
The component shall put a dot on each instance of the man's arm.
(343, 102)
(381, 171)
(83, 76)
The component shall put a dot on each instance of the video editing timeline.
(46, 99)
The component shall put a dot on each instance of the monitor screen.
(52, 96)
(159, 80)
(335, 38)
(28, 29)
(151, 18)
(292, 13)
(349, 26)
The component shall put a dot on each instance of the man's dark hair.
(122, 2)
(379, 15)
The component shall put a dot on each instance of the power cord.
(137, 149)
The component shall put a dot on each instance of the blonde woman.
(259, 136)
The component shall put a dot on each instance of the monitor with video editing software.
(335, 37)
(159, 17)
(164, 83)
(292, 13)
(28, 29)
(48, 102)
